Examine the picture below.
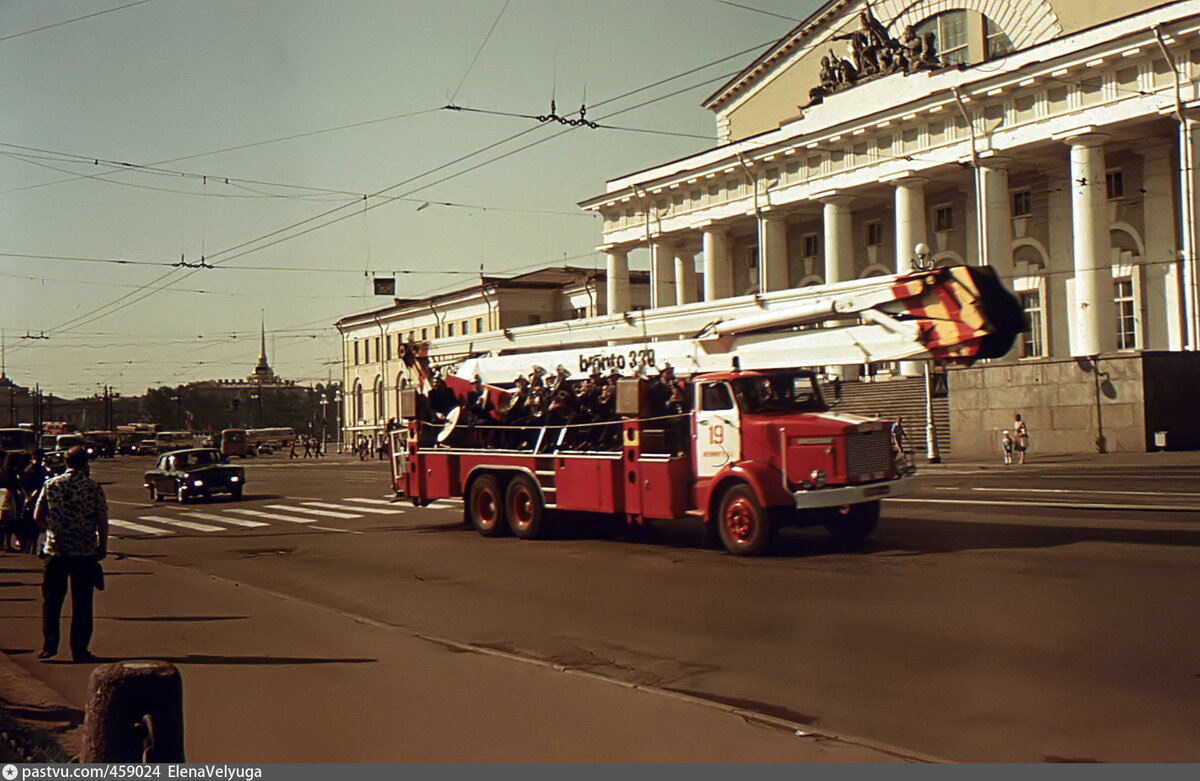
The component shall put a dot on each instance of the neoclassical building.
(1053, 140)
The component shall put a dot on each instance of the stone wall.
(1069, 405)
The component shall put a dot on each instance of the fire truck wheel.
(523, 504)
(745, 529)
(855, 524)
(485, 506)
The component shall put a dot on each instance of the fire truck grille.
(870, 451)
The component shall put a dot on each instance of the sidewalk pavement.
(268, 678)
(1168, 459)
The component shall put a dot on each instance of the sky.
(310, 109)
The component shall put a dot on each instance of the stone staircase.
(901, 399)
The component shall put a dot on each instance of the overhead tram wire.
(234, 148)
(124, 302)
(238, 182)
(479, 51)
(71, 21)
(762, 11)
(120, 303)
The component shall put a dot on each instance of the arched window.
(965, 37)
(401, 384)
(359, 412)
(378, 402)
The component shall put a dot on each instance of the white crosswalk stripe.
(446, 504)
(272, 516)
(375, 510)
(364, 500)
(200, 527)
(226, 519)
(137, 527)
(324, 513)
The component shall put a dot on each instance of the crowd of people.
(22, 475)
(575, 414)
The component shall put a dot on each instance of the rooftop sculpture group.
(875, 53)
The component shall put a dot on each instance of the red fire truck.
(758, 447)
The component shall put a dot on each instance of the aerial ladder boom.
(956, 313)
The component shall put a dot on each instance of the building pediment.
(843, 44)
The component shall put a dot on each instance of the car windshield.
(779, 393)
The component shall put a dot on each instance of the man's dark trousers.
(81, 571)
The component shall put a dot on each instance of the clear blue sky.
(168, 79)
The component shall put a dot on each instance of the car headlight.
(818, 478)
(235, 479)
(197, 483)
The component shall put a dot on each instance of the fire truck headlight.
(198, 483)
(818, 478)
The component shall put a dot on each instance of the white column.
(996, 215)
(617, 281)
(1163, 324)
(773, 271)
(662, 273)
(839, 257)
(685, 276)
(839, 239)
(1092, 315)
(718, 264)
(910, 220)
(1188, 276)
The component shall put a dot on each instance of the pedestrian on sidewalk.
(1006, 446)
(73, 511)
(1020, 438)
(32, 480)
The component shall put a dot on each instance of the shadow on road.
(245, 660)
(174, 618)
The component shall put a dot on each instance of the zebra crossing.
(297, 514)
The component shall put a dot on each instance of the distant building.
(372, 372)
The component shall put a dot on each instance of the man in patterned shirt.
(73, 511)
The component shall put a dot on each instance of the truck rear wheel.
(852, 525)
(744, 527)
(485, 506)
(523, 505)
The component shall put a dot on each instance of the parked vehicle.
(196, 472)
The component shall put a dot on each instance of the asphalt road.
(1041, 613)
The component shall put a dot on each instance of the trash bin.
(1160, 440)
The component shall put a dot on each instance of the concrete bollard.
(135, 713)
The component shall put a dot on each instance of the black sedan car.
(186, 474)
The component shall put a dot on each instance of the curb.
(21, 689)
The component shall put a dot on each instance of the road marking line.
(273, 516)
(368, 501)
(1068, 491)
(446, 504)
(334, 529)
(375, 510)
(1060, 505)
(223, 519)
(200, 527)
(325, 513)
(137, 527)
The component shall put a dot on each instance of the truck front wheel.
(852, 525)
(744, 527)
(523, 504)
(485, 506)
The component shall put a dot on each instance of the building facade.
(1050, 139)
(372, 342)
